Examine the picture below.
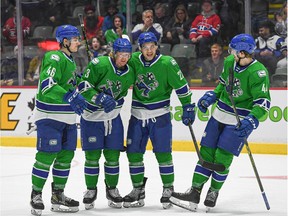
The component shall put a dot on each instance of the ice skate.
(136, 197)
(61, 203)
(211, 198)
(188, 200)
(165, 197)
(36, 203)
(114, 198)
(89, 198)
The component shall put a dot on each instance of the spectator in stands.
(160, 15)
(9, 30)
(55, 13)
(112, 10)
(148, 25)
(92, 22)
(204, 29)
(268, 47)
(213, 66)
(281, 21)
(259, 13)
(117, 30)
(283, 62)
(97, 47)
(177, 30)
(230, 19)
(9, 69)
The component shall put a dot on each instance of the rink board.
(17, 106)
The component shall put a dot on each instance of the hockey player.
(104, 84)
(222, 140)
(156, 77)
(57, 101)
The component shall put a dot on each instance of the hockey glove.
(106, 101)
(76, 101)
(188, 114)
(248, 124)
(206, 100)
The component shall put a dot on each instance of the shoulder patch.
(55, 57)
(95, 61)
(261, 73)
(173, 62)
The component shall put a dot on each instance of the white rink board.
(272, 130)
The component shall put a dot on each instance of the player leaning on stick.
(104, 84)
(222, 139)
(156, 77)
(56, 104)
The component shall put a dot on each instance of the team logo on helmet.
(146, 83)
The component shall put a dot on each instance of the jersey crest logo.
(112, 88)
(95, 61)
(55, 57)
(146, 83)
(237, 91)
(261, 73)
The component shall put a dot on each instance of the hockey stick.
(206, 164)
(84, 36)
(230, 93)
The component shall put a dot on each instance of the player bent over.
(56, 104)
(222, 139)
(156, 77)
(104, 85)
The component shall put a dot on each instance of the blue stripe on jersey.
(40, 173)
(226, 108)
(91, 170)
(202, 171)
(54, 107)
(60, 173)
(219, 177)
(263, 102)
(183, 90)
(47, 83)
(111, 170)
(152, 106)
(222, 81)
(167, 169)
(84, 86)
(135, 170)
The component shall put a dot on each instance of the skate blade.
(114, 204)
(167, 205)
(62, 208)
(136, 204)
(89, 206)
(36, 212)
(208, 209)
(190, 206)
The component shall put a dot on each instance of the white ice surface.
(240, 194)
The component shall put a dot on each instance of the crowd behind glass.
(195, 32)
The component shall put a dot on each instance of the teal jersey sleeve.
(57, 76)
(178, 82)
(90, 78)
(101, 75)
(250, 88)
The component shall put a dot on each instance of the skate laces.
(135, 193)
(167, 192)
(37, 199)
(115, 192)
(212, 195)
(89, 193)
